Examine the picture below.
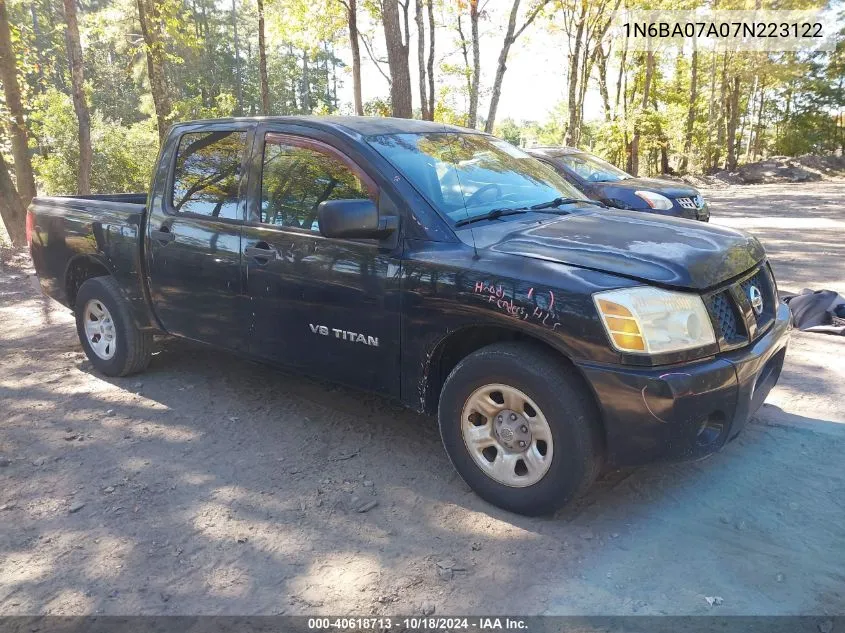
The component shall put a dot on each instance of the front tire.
(109, 336)
(520, 428)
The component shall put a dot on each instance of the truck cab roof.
(553, 151)
(358, 125)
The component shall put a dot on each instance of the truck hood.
(665, 251)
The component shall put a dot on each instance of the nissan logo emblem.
(756, 298)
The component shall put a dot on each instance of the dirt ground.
(212, 485)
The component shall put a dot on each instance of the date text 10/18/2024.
(419, 623)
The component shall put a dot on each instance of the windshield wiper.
(543, 207)
(493, 214)
(559, 202)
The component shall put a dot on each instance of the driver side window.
(297, 175)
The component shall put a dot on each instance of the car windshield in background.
(468, 175)
(592, 168)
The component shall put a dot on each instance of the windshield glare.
(592, 168)
(468, 175)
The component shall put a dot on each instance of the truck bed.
(103, 230)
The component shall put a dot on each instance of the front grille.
(724, 316)
(764, 283)
(734, 317)
(696, 202)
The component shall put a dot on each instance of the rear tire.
(109, 336)
(544, 446)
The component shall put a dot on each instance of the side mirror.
(353, 219)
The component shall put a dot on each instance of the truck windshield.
(469, 175)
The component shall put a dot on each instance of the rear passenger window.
(207, 174)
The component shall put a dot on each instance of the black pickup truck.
(440, 267)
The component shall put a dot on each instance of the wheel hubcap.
(99, 329)
(512, 430)
(507, 435)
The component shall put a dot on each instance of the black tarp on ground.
(818, 311)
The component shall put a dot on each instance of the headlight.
(654, 200)
(646, 320)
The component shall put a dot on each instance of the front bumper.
(702, 213)
(686, 411)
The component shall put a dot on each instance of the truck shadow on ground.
(233, 492)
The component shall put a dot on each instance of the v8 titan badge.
(346, 335)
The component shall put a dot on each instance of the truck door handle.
(262, 254)
(163, 235)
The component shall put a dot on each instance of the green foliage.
(377, 107)
(123, 155)
(509, 130)
(209, 75)
(224, 104)
(549, 132)
(113, 69)
(609, 142)
(445, 113)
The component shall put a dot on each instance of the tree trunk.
(16, 123)
(733, 121)
(622, 73)
(465, 55)
(664, 143)
(635, 141)
(710, 163)
(746, 120)
(326, 73)
(693, 95)
(759, 127)
(12, 210)
(57, 72)
(649, 75)
(586, 71)
(501, 67)
(335, 100)
(757, 89)
(77, 80)
(711, 113)
(472, 116)
(151, 28)
(352, 22)
(625, 143)
(418, 18)
(262, 62)
(39, 46)
(305, 98)
(510, 37)
(397, 60)
(603, 91)
(430, 6)
(238, 80)
(573, 131)
(597, 34)
(207, 89)
(720, 122)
